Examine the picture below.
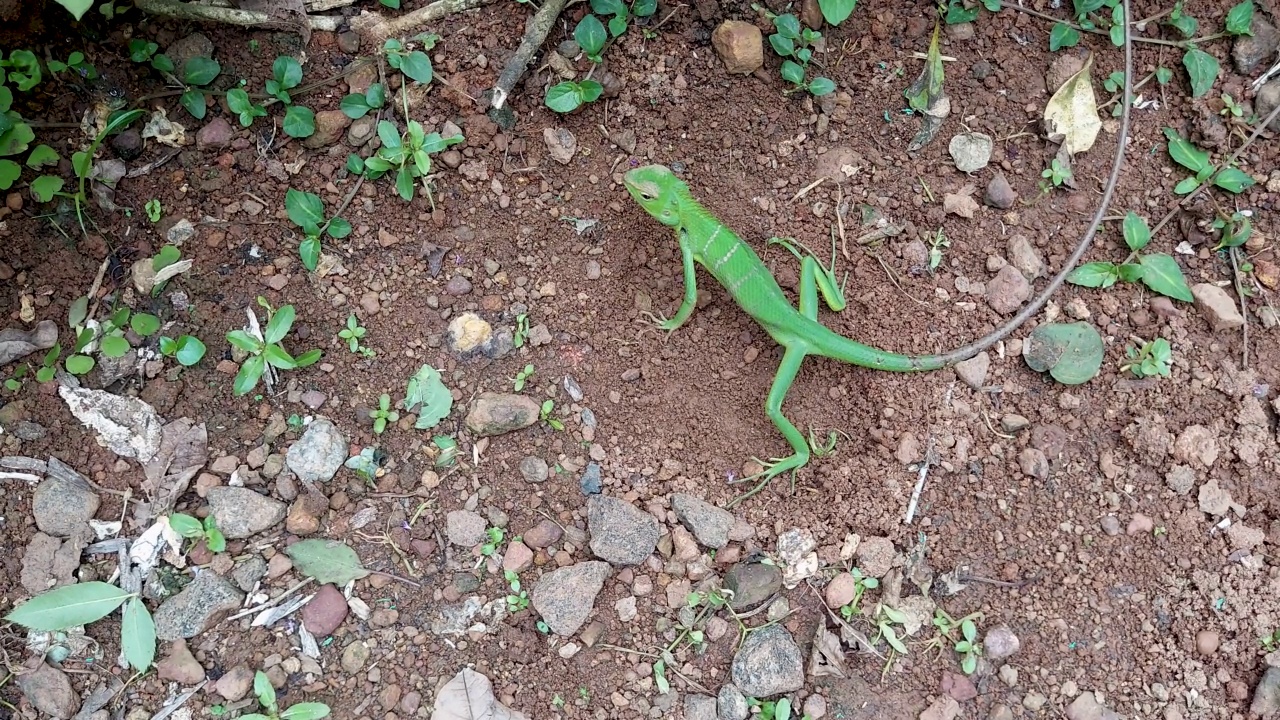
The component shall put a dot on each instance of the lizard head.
(657, 190)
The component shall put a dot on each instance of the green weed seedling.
(1056, 174)
(968, 647)
(779, 709)
(938, 244)
(187, 349)
(1230, 107)
(75, 61)
(1158, 271)
(189, 527)
(197, 72)
(519, 598)
(823, 448)
(522, 331)
(1229, 177)
(861, 584)
(413, 64)
(1234, 231)
(145, 51)
(266, 695)
(496, 536)
(569, 95)
(1152, 359)
(621, 12)
(268, 350)
(352, 334)
(1270, 642)
(521, 377)
(154, 210)
(885, 618)
(87, 602)
(246, 109)
(383, 414)
(306, 210)
(286, 74)
(548, 407)
(793, 42)
(357, 105)
(407, 156)
(960, 11)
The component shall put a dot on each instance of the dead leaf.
(856, 640)
(16, 343)
(928, 97)
(827, 656)
(164, 130)
(184, 449)
(469, 696)
(960, 203)
(1073, 111)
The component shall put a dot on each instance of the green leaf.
(10, 171)
(1240, 18)
(328, 561)
(1202, 68)
(820, 86)
(200, 70)
(339, 228)
(263, 690)
(308, 358)
(644, 8)
(564, 97)
(138, 635)
(788, 26)
(43, 187)
(299, 122)
(68, 606)
(16, 139)
(836, 11)
(1094, 275)
(417, 66)
(1187, 185)
(278, 357)
(79, 364)
(1136, 232)
(279, 325)
(42, 156)
(376, 95)
(1184, 153)
(792, 72)
(1063, 35)
(784, 46)
(1161, 273)
(354, 106)
(590, 90)
(1232, 180)
(77, 8)
(114, 346)
(249, 374)
(305, 711)
(144, 324)
(286, 71)
(1071, 353)
(163, 63)
(1163, 75)
(389, 135)
(305, 209)
(167, 256)
(194, 102)
(355, 164)
(404, 184)
(214, 540)
(427, 395)
(190, 350)
(590, 35)
(617, 26)
(1185, 24)
(608, 7)
(309, 251)
(1130, 272)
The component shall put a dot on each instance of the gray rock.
(125, 425)
(17, 343)
(248, 572)
(1024, 256)
(63, 501)
(620, 532)
(1084, 707)
(193, 45)
(1266, 697)
(318, 453)
(707, 522)
(465, 528)
(752, 584)
(1007, 290)
(241, 512)
(1265, 102)
(534, 469)
(1000, 194)
(180, 232)
(354, 656)
(768, 664)
(500, 413)
(970, 151)
(1000, 643)
(699, 707)
(1250, 51)
(49, 691)
(565, 597)
(590, 483)
(197, 607)
(731, 704)
(973, 372)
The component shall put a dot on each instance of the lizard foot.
(661, 322)
(772, 469)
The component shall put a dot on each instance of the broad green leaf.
(44, 187)
(788, 26)
(427, 395)
(1184, 23)
(77, 8)
(836, 11)
(42, 156)
(1095, 275)
(354, 106)
(1232, 180)
(138, 635)
(792, 72)
(1240, 18)
(355, 164)
(1071, 353)
(243, 340)
(305, 711)
(168, 255)
(820, 86)
(309, 251)
(389, 135)
(190, 350)
(784, 46)
(328, 561)
(1161, 273)
(305, 209)
(376, 95)
(278, 357)
(1184, 153)
(563, 97)
(79, 364)
(185, 525)
(286, 71)
(590, 35)
(144, 324)
(114, 346)
(1130, 272)
(1202, 69)
(299, 122)
(404, 184)
(590, 90)
(660, 677)
(200, 70)
(16, 139)
(608, 7)
(617, 26)
(68, 606)
(1136, 232)
(1187, 185)
(279, 325)
(163, 63)
(10, 171)
(1163, 75)
(308, 358)
(417, 66)
(263, 690)
(194, 102)
(339, 228)
(644, 8)
(249, 374)
(1063, 35)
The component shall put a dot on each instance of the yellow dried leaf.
(1072, 112)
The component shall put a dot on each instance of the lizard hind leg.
(787, 371)
(815, 275)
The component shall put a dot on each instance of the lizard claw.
(662, 322)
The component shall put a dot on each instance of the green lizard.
(705, 240)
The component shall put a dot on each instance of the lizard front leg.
(786, 375)
(690, 288)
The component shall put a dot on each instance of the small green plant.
(1234, 231)
(413, 64)
(187, 349)
(1056, 173)
(861, 584)
(938, 244)
(822, 448)
(393, 4)
(621, 12)
(306, 210)
(525, 373)
(407, 156)
(294, 422)
(383, 414)
(1152, 359)
(961, 11)
(1158, 271)
(1114, 82)
(75, 61)
(496, 536)
(286, 74)
(189, 527)
(427, 396)
(968, 647)
(268, 350)
(153, 209)
(792, 42)
(246, 110)
(779, 709)
(567, 96)
(1229, 177)
(885, 618)
(584, 693)
(1270, 642)
(266, 694)
(145, 51)
(522, 331)
(548, 407)
(357, 105)
(557, 702)
(197, 72)
(519, 598)
(1230, 107)
(46, 187)
(87, 602)
(352, 333)
(446, 451)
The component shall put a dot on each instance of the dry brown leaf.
(827, 656)
(184, 449)
(960, 203)
(469, 696)
(1072, 112)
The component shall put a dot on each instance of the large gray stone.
(768, 664)
(318, 453)
(63, 501)
(620, 532)
(707, 522)
(197, 607)
(565, 597)
(241, 512)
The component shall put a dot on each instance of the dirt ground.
(1102, 563)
